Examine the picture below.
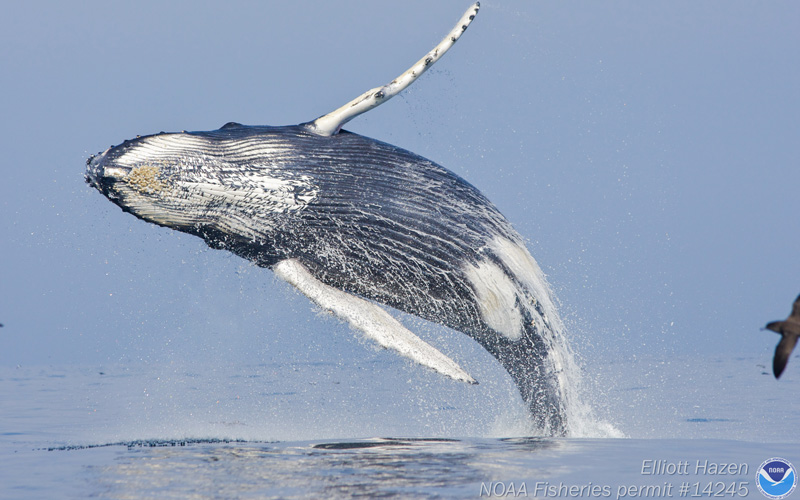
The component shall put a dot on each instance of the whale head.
(141, 184)
(204, 184)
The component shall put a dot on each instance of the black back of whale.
(387, 225)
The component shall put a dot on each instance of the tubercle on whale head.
(136, 185)
(95, 174)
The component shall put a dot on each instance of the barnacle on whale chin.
(145, 179)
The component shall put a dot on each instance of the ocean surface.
(663, 428)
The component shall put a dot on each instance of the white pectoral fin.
(372, 320)
(331, 123)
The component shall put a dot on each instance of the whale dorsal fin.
(331, 123)
(371, 319)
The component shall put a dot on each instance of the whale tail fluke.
(790, 331)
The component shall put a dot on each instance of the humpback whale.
(790, 331)
(356, 224)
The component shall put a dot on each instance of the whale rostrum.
(355, 224)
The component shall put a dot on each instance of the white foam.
(581, 418)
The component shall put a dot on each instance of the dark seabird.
(789, 330)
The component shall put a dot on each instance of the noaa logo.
(776, 478)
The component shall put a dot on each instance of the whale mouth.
(101, 175)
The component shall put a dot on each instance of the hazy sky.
(648, 151)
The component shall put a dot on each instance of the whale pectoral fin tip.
(464, 377)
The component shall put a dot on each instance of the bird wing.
(371, 319)
(796, 309)
(782, 352)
